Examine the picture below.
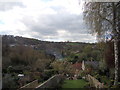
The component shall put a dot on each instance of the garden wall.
(94, 82)
(30, 85)
(53, 82)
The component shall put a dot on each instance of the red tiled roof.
(77, 66)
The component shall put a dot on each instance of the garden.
(80, 83)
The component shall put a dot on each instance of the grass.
(74, 83)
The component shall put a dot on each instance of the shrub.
(82, 73)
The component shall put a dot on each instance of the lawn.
(74, 83)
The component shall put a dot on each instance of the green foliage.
(38, 60)
(103, 19)
(9, 69)
(82, 74)
(89, 52)
(26, 72)
(62, 67)
(47, 74)
(50, 72)
(10, 82)
(106, 81)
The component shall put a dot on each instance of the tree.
(62, 67)
(104, 19)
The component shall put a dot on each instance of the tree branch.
(105, 19)
(118, 4)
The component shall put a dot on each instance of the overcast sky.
(53, 20)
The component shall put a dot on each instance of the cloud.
(58, 20)
(50, 26)
(4, 6)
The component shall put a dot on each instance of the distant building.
(93, 64)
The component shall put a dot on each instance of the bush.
(106, 80)
(9, 82)
(82, 73)
(48, 73)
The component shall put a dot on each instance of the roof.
(94, 64)
(77, 65)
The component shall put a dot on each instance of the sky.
(49, 20)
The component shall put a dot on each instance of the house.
(90, 64)
(78, 67)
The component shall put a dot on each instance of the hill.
(53, 48)
(36, 59)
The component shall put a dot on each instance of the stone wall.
(94, 82)
(53, 82)
(31, 85)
